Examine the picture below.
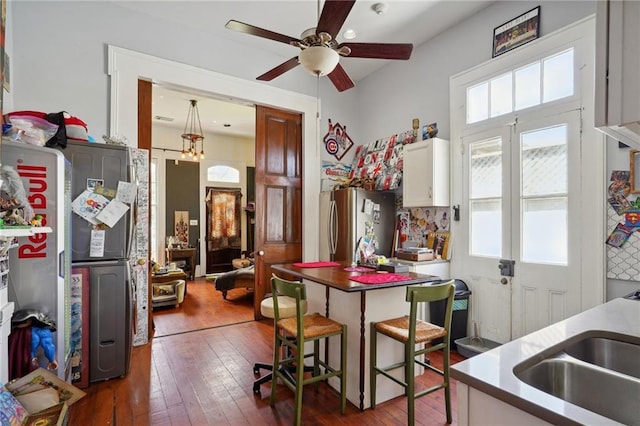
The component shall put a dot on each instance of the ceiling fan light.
(319, 60)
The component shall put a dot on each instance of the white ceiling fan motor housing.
(319, 60)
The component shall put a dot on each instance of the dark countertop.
(337, 277)
(492, 372)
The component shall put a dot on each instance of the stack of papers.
(416, 250)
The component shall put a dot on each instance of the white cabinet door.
(436, 267)
(617, 110)
(425, 179)
(440, 269)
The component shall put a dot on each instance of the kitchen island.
(489, 392)
(331, 291)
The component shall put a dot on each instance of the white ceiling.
(403, 22)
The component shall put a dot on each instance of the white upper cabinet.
(425, 175)
(618, 70)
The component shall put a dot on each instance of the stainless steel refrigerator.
(346, 215)
(110, 288)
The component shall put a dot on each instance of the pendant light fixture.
(193, 134)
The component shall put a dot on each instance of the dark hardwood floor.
(198, 370)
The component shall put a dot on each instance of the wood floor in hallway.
(198, 370)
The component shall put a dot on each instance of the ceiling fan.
(320, 52)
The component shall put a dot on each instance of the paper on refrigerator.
(126, 192)
(112, 213)
(88, 204)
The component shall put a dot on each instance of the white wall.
(7, 97)
(70, 73)
(218, 146)
(61, 58)
(389, 99)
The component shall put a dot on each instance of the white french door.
(522, 198)
(546, 199)
(528, 181)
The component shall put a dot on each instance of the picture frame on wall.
(182, 227)
(516, 32)
(634, 167)
(3, 55)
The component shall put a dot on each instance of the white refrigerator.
(39, 267)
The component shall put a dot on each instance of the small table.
(188, 254)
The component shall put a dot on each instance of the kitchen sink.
(598, 371)
(616, 355)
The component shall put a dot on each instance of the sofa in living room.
(242, 276)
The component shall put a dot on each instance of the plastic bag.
(31, 130)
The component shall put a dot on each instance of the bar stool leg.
(372, 365)
(409, 379)
(299, 379)
(343, 367)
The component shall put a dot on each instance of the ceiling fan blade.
(279, 70)
(260, 32)
(379, 50)
(340, 79)
(334, 13)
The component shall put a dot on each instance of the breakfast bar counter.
(331, 288)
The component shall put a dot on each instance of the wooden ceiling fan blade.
(260, 32)
(340, 79)
(279, 70)
(379, 50)
(334, 13)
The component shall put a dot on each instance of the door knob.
(261, 253)
(504, 281)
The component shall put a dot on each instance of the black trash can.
(459, 316)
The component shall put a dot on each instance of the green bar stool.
(411, 331)
(293, 333)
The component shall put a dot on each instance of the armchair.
(169, 293)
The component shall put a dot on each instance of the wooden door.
(278, 236)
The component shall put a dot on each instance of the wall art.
(337, 142)
(518, 31)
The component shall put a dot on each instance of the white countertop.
(492, 371)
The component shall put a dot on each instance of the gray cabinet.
(617, 94)
(111, 319)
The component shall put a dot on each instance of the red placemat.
(315, 264)
(379, 278)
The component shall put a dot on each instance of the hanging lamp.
(193, 134)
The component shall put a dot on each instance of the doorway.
(223, 236)
(228, 157)
(527, 167)
(127, 68)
